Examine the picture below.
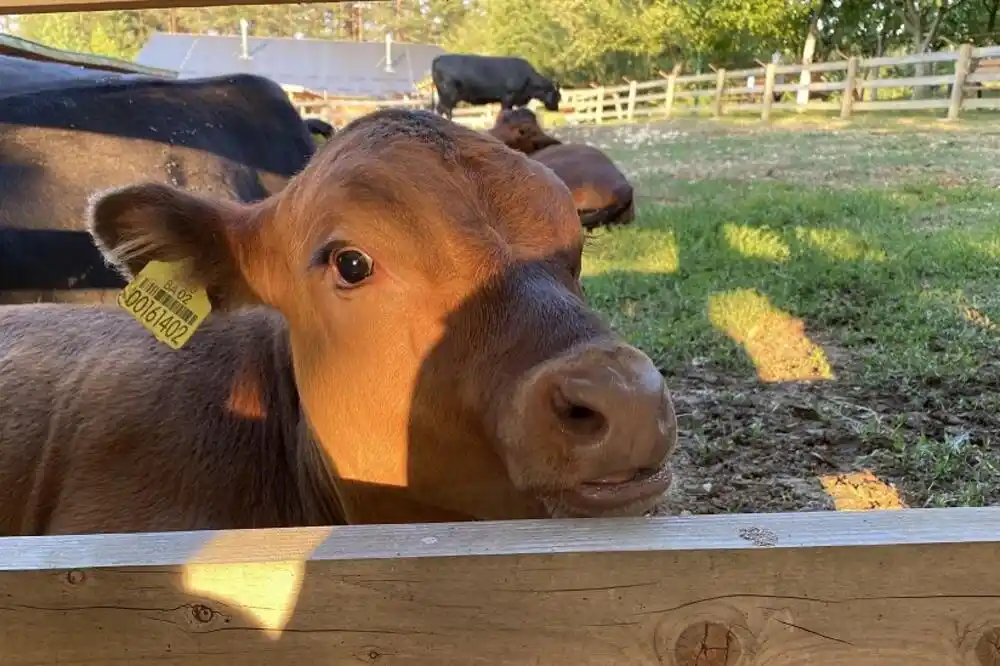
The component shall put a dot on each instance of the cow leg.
(448, 95)
(444, 108)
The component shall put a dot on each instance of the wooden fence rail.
(914, 587)
(754, 90)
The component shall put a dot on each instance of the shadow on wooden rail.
(907, 587)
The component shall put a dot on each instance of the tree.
(576, 41)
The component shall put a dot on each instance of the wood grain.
(908, 587)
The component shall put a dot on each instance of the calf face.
(444, 356)
(519, 129)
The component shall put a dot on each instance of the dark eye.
(353, 266)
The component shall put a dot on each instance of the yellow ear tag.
(159, 300)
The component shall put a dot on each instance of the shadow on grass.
(766, 265)
(885, 301)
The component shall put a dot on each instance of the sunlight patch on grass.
(652, 252)
(756, 242)
(860, 491)
(775, 341)
(839, 244)
(991, 248)
(978, 319)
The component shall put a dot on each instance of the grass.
(861, 260)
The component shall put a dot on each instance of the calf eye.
(353, 266)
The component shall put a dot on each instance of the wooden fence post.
(768, 96)
(720, 86)
(847, 100)
(599, 111)
(632, 89)
(962, 66)
(668, 102)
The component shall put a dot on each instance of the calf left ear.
(136, 224)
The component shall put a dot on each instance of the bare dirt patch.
(751, 446)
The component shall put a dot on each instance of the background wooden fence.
(967, 78)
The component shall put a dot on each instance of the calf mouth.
(627, 493)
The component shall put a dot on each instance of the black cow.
(66, 133)
(477, 79)
(320, 127)
(44, 259)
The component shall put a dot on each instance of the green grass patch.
(865, 266)
(865, 259)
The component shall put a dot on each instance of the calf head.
(519, 129)
(446, 362)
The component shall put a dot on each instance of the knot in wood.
(202, 613)
(368, 655)
(75, 577)
(707, 644)
(987, 649)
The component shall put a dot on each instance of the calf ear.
(136, 224)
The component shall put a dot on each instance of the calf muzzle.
(606, 428)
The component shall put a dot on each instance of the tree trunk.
(914, 20)
(808, 52)
(397, 12)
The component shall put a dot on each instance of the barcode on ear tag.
(166, 307)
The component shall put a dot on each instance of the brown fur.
(429, 392)
(519, 129)
(601, 192)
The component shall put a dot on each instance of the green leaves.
(578, 42)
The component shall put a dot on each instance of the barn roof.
(11, 45)
(355, 69)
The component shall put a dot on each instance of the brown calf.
(399, 335)
(602, 193)
(519, 129)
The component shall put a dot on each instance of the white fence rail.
(975, 71)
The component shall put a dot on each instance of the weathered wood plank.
(903, 105)
(696, 78)
(743, 73)
(984, 103)
(819, 86)
(983, 77)
(650, 85)
(887, 588)
(813, 106)
(888, 61)
(909, 82)
(986, 52)
(834, 66)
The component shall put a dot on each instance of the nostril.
(576, 416)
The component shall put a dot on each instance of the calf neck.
(399, 335)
